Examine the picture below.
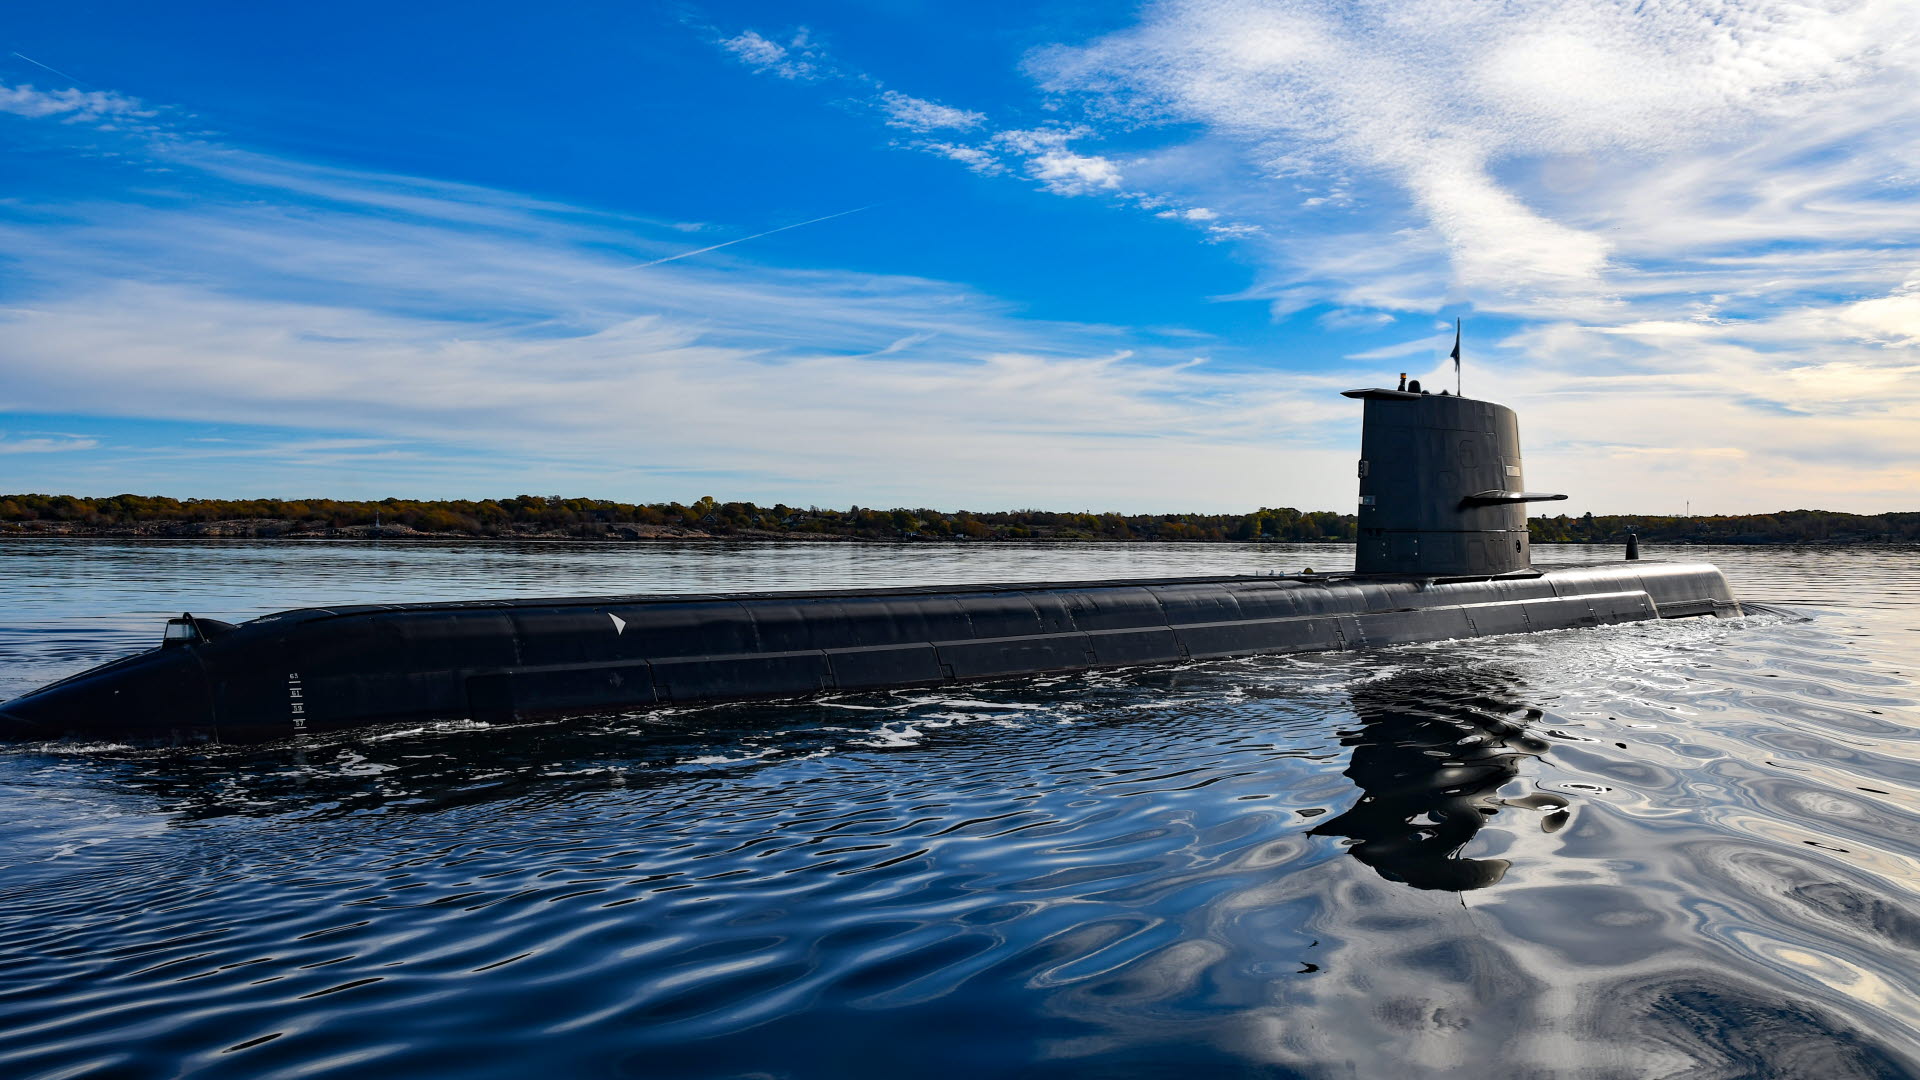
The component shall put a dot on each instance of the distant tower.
(1440, 487)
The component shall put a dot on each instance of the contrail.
(38, 64)
(755, 236)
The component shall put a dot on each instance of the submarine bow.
(1441, 557)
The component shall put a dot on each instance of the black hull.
(320, 669)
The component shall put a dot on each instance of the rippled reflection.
(428, 768)
(1432, 750)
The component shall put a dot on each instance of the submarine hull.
(322, 669)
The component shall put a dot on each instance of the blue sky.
(1075, 256)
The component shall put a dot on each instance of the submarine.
(1442, 553)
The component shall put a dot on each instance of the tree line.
(1784, 527)
(551, 515)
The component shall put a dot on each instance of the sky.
(983, 255)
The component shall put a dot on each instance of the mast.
(1456, 356)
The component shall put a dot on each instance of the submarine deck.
(1340, 577)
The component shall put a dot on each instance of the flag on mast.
(1456, 355)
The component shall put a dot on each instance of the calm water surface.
(1685, 850)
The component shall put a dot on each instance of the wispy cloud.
(504, 343)
(1046, 153)
(1698, 227)
(45, 445)
(1705, 218)
(1059, 168)
(919, 114)
(978, 159)
(71, 105)
(1552, 151)
(795, 58)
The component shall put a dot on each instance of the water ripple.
(1681, 849)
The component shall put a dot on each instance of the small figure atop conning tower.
(1440, 486)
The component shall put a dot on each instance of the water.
(1685, 849)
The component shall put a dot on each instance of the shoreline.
(530, 517)
(656, 534)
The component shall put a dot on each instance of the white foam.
(724, 759)
(62, 746)
(890, 736)
(438, 727)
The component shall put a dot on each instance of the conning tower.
(1440, 486)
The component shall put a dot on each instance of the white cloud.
(1345, 319)
(1238, 230)
(1662, 328)
(86, 106)
(43, 445)
(976, 158)
(795, 59)
(1709, 253)
(919, 114)
(755, 49)
(1040, 153)
(1704, 217)
(1893, 319)
(1061, 170)
(1064, 172)
(1602, 159)
(1440, 97)
(1431, 344)
(958, 424)
(354, 321)
(1040, 140)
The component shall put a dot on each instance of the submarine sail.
(1441, 488)
(1443, 555)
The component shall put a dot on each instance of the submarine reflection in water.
(1442, 552)
(1430, 753)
